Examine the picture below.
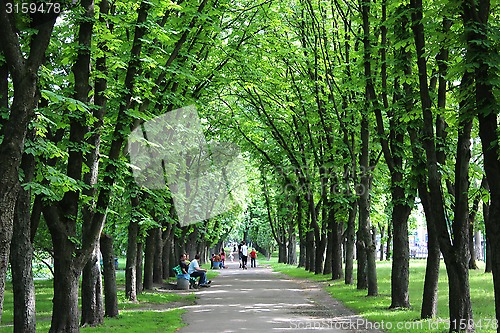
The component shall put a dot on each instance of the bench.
(178, 271)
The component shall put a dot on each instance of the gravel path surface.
(259, 300)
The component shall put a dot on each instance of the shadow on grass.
(376, 309)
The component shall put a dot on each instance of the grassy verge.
(150, 314)
(376, 309)
(127, 322)
(142, 321)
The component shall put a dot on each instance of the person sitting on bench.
(194, 270)
(182, 271)
(184, 265)
(216, 261)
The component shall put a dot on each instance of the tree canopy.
(323, 125)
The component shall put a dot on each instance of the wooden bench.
(178, 271)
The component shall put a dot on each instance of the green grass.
(127, 322)
(134, 316)
(143, 316)
(148, 298)
(44, 295)
(376, 308)
(141, 321)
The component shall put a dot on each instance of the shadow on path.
(259, 300)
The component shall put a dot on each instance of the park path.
(259, 300)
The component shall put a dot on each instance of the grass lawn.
(376, 308)
(146, 315)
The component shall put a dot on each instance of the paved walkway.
(259, 300)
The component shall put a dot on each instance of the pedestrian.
(240, 257)
(253, 256)
(244, 255)
(195, 270)
(223, 259)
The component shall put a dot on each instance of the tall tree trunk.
(488, 133)
(327, 269)
(302, 254)
(92, 312)
(350, 240)
(320, 253)
(364, 160)
(382, 244)
(158, 257)
(92, 308)
(193, 246)
(21, 257)
(394, 154)
(488, 129)
(108, 262)
(388, 252)
(336, 231)
(167, 249)
(486, 217)
(292, 245)
(368, 248)
(132, 254)
(362, 278)
(316, 239)
(400, 274)
(282, 254)
(149, 260)
(455, 252)
(139, 269)
(8, 196)
(430, 296)
(472, 249)
(23, 74)
(310, 251)
(337, 272)
(472, 218)
(65, 312)
(302, 237)
(327, 223)
(174, 256)
(457, 262)
(371, 265)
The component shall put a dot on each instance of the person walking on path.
(194, 270)
(240, 256)
(244, 254)
(253, 256)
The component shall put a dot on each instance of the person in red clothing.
(223, 259)
(253, 256)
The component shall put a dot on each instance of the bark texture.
(92, 307)
(108, 263)
(23, 73)
(21, 257)
(131, 265)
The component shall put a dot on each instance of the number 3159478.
(25, 8)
